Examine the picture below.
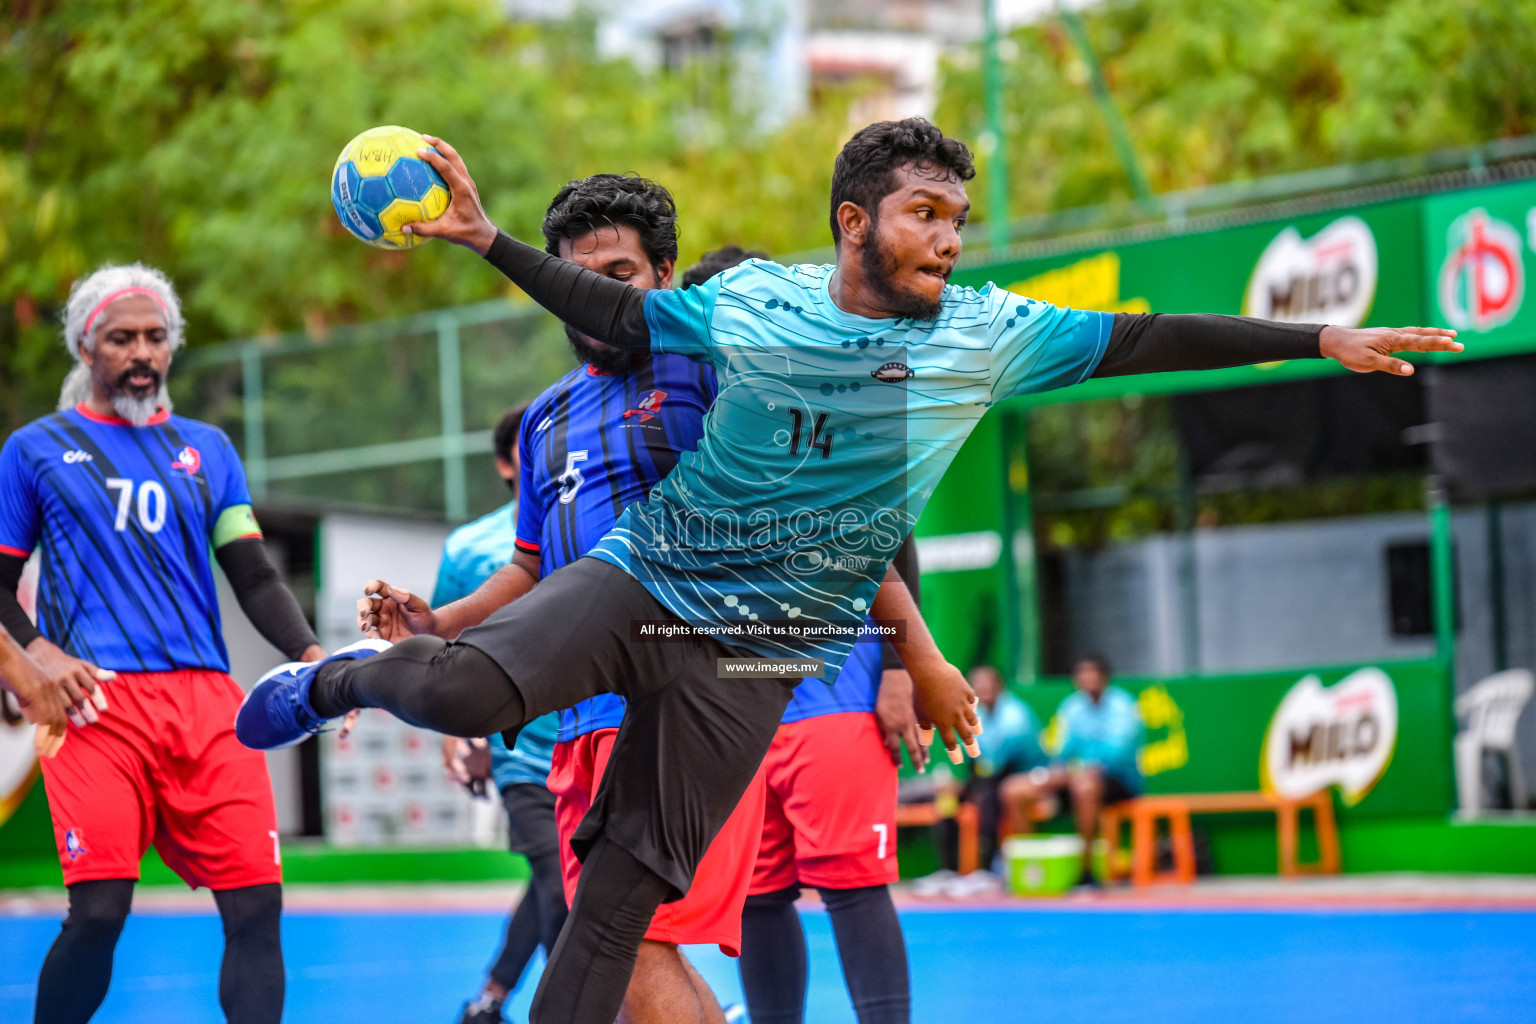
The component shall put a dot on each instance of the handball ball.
(380, 185)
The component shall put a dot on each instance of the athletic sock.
(589, 972)
(78, 968)
(252, 980)
(772, 964)
(873, 953)
(451, 688)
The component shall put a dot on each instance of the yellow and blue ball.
(379, 185)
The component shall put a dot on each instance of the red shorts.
(830, 818)
(710, 912)
(163, 766)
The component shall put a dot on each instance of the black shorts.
(690, 742)
(531, 829)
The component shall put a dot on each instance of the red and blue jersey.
(125, 518)
(592, 445)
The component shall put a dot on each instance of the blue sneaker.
(276, 713)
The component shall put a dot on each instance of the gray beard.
(138, 411)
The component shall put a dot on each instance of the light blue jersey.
(471, 555)
(1010, 737)
(1106, 734)
(828, 435)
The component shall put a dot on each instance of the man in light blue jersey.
(1098, 729)
(471, 555)
(845, 392)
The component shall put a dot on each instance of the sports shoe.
(277, 713)
(484, 1010)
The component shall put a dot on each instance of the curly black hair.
(711, 263)
(585, 205)
(504, 436)
(865, 172)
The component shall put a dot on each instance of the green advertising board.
(1350, 267)
(1477, 246)
(1376, 733)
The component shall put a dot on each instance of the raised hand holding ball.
(380, 184)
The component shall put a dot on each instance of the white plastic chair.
(1492, 709)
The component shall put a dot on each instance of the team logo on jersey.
(649, 407)
(74, 843)
(188, 459)
(70, 458)
(892, 373)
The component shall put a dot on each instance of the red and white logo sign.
(188, 459)
(649, 406)
(1329, 278)
(1482, 280)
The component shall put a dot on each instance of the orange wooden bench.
(1143, 813)
(967, 817)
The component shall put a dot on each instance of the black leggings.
(541, 912)
(869, 943)
(615, 901)
(78, 968)
(459, 690)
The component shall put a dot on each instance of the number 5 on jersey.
(151, 503)
(571, 480)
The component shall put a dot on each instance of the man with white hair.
(125, 502)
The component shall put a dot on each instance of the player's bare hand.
(467, 762)
(40, 701)
(393, 613)
(1374, 348)
(464, 222)
(945, 702)
(898, 718)
(348, 723)
(79, 682)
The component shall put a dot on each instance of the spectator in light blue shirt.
(1010, 744)
(1098, 730)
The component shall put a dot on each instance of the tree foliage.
(1220, 90)
(199, 135)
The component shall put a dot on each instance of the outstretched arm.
(597, 306)
(1155, 342)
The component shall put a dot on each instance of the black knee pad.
(100, 906)
(251, 908)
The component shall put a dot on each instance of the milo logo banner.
(1377, 734)
(1341, 735)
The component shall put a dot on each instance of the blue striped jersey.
(829, 435)
(124, 517)
(591, 445)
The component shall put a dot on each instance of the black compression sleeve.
(597, 306)
(906, 565)
(1154, 342)
(266, 602)
(12, 617)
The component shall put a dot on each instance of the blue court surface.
(974, 966)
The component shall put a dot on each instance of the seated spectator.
(1010, 743)
(1095, 765)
